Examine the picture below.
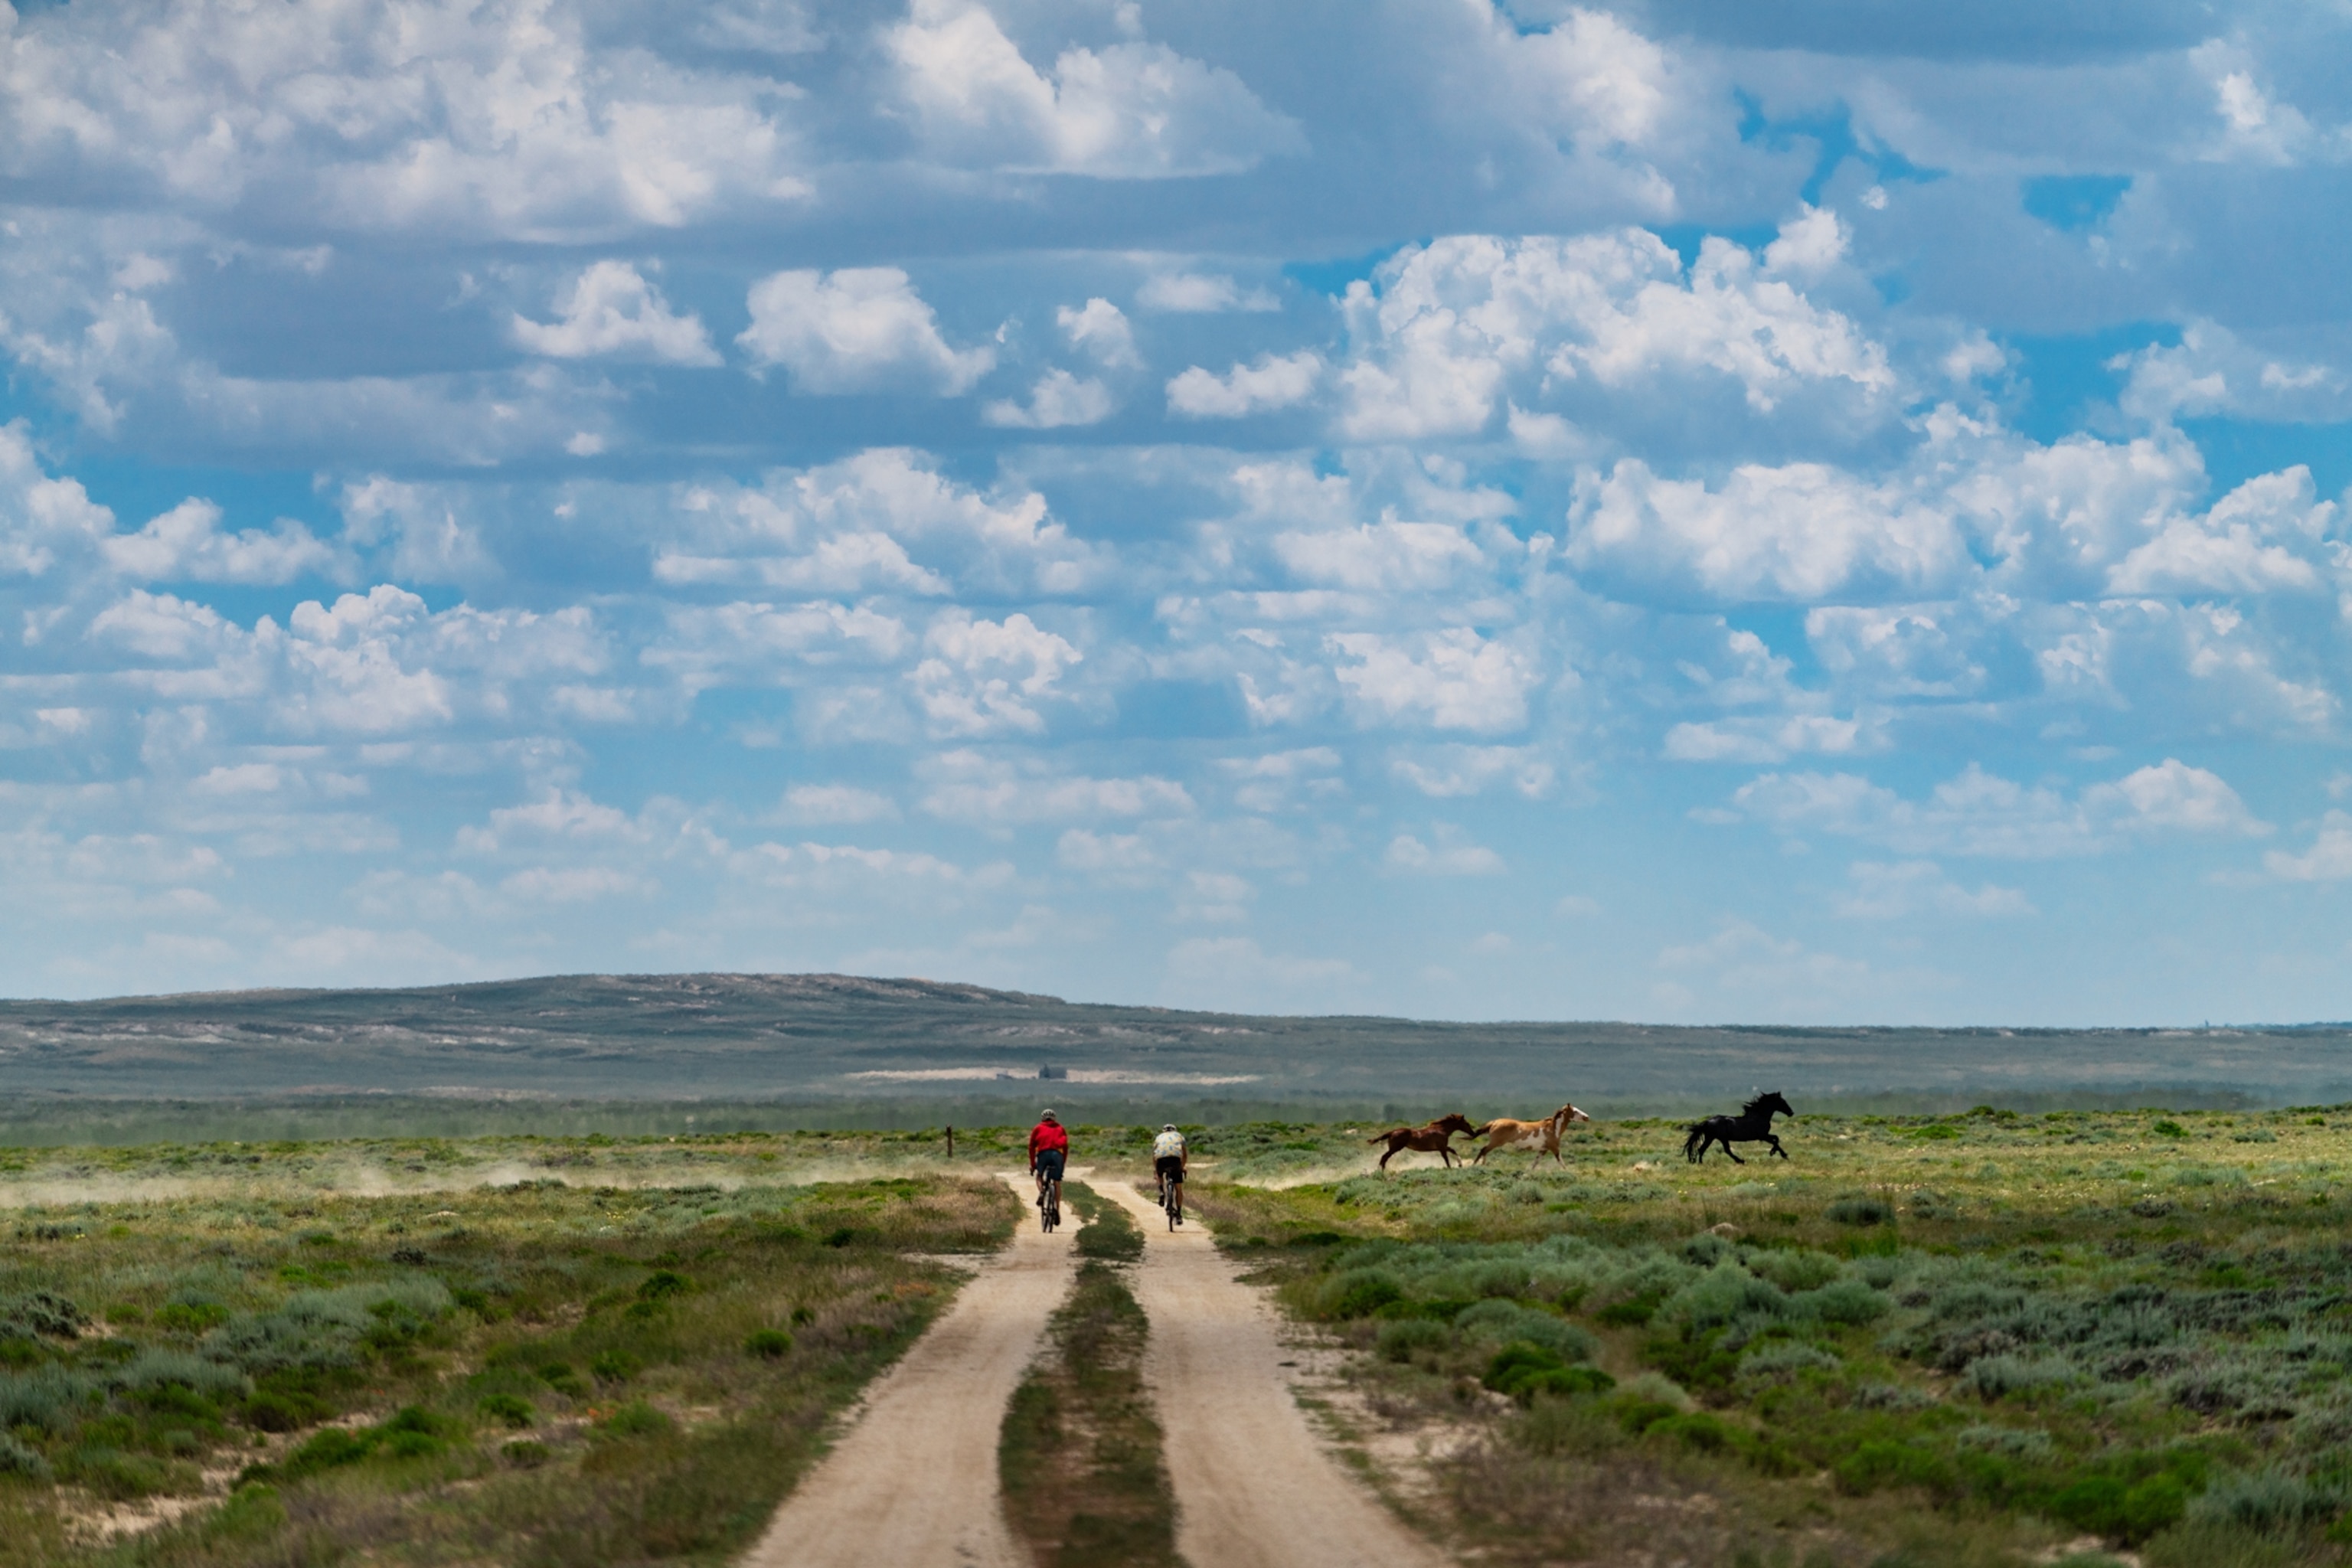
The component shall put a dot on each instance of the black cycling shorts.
(1169, 1166)
(1050, 1162)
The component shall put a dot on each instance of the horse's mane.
(1752, 1106)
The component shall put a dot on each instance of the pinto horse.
(1752, 1125)
(1543, 1136)
(1432, 1138)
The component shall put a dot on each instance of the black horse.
(1752, 1125)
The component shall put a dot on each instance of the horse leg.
(1386, 1157)
(1729, 1156)
(1446, 1152)
(1776, 1145)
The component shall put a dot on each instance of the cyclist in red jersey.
(1049, 1153)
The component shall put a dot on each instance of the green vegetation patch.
(533, 1374)
(1927, 1340)
(1079, 1453)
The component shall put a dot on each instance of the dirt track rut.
(1253, 1486)
(912, 1483)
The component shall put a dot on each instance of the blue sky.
(1798, 512)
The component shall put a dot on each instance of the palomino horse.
(1432, 1137)
(1541, 1136)
(1752, 1125)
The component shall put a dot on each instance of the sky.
(1784, 510)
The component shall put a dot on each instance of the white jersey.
(1168, 1146)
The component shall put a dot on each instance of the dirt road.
(913, 1482)
(1253, 1486)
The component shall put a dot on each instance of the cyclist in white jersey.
(1169, 1158)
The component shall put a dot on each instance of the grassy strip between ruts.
(1080, 1454)
(533, 1374)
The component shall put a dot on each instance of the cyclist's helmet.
(1170, 1127)
(1045, 1116)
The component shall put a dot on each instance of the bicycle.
(1050, 1208)
(1171, 1198)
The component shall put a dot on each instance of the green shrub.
(1861, 1210)
(1358, 1293)
(1399, 1340)
(1500, 1322)
(1877, 1466)
(49, 1396)
(635, 1419)
(44, 1313)
(663, 1285)
(615, 1366)
(772, 1343)
(16, 1459)
(272, 1413)
(333, 1447)
(525, 1455)
(559, 1376)
(2269, 1499)
(2169, 1129)
(510, 1408)
(1697, 1430)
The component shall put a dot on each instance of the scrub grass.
(1080, 1455)
(534, 1373)
(1958, 1340)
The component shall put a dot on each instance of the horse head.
(1455, 1122)
(1771, 1104)
(1568, 1113)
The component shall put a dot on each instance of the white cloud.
(2330, 858)
(1892, 891)
(41, 517)
(610, 310)
(1452, 679)
(987, 677)
(1981, 814)
(187, 545)
(1452, 854)
(861, 329)
(1246, 389)
(498, 121)
(429, 542)
(828, 804)
(1770, 738)
(1058, 400)
(1443, 771)
(1201, 293)
(1100, 329)
(1798, 532)
(1445, 327)
(572, 884)
(884, 520)
(966, 787)
(1104, 854)
(1130, 110)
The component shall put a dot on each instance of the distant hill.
(826, 1037)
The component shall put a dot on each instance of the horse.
(1752, 1125)
(1432, 1138)
(1543, 1136)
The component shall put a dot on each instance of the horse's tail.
(1378, 1138)
(1480, 1131)
(1695, 1141)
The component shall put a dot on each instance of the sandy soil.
(1253, 1486)
(912, 1483)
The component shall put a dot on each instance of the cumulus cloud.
(987, 678)
(1201, 293)
(966, 786)
(1443, 328)
(881, 521)
(1452, 854)
(1246, 389)
(1130, 110)
(1895, 889)
(1101, 329)
(1058, 400)
(502, 120)
(610, 310)
(2330, 858)
(861, 329)
(1452, 679)
(187, 544)
(1982, 814)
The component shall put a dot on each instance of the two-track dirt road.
(912, 1484)
(1253, 1486)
